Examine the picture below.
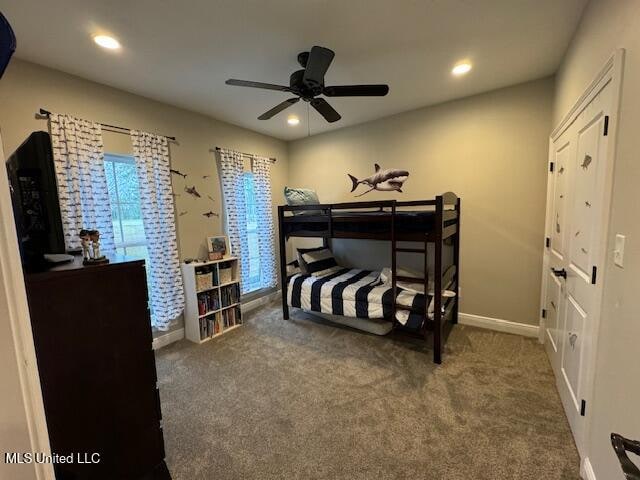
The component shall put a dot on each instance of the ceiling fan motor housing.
(305, 90)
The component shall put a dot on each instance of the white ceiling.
(182, 52)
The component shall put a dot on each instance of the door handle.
(560, 273)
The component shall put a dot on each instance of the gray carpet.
(305, 400)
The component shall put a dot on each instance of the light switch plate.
(618, 252)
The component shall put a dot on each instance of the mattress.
(354, 293)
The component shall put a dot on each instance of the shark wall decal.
(389, 180)
(192, 191)
(178, 172)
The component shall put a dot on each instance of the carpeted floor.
(301, 399)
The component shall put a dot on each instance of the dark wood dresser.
(93, 340)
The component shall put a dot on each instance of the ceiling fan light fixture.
(461, 69)
(105, 41)
(293, 120)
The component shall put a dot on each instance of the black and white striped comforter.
(353, 293)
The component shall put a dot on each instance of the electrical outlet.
(618, 252)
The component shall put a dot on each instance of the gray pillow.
(301, 196)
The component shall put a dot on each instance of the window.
(252, 235)
(124, 195)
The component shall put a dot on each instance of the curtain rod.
(273, 160)
(47, 114)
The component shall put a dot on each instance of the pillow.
(319, 261)
(293, 268)
(301, 196)
(301, 263)
(413, 287)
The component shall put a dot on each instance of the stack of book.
(230, 295)
(210, 326)
(232, 317)
(208, 302)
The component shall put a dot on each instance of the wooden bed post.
(437, 280)
(284, 281)
(456, 262)
(326, 239)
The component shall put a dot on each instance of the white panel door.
(579, 159)
(562, 154)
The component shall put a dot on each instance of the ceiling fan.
(308, 83)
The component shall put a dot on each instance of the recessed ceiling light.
(293, 120)
(461, 68)
(106, 41)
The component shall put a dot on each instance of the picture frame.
(218, 247)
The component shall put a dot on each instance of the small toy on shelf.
(90, 240)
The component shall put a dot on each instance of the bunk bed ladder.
(456, 262)
(437, 320)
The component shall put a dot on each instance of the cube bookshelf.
(212, 298)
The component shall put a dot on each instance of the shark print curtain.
(264, 216)
(231, 176)
(151, 154)
(78, 158)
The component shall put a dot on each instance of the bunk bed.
(423, 222)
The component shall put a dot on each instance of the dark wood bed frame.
(446, 227)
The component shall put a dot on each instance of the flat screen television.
(34, 195)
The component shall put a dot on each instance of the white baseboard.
(587, 470)
(259, 302)
(169, 337)
(498, 324)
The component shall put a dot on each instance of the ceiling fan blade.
(356, 91)
(317, 65)
(248, 83)
(278, 108)
(326, 110)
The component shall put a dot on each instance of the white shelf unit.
(212, 298)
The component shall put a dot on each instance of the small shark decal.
(210, 214)
(390, 180)
(178, 172)
(586, 162)
(192, 191)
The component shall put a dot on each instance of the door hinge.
(594, 273)
(606, 125)
(583, 408)
(544, 313)
(551, 166)
(547, 242)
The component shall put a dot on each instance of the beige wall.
(605, 26)
(490, 149)
(26, 87)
